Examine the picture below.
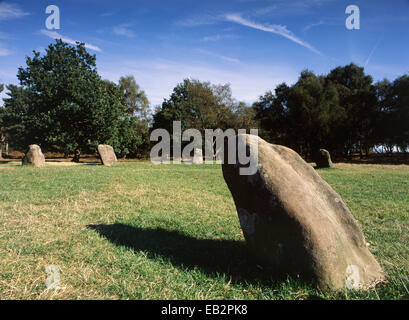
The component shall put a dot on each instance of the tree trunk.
(367, 150)
(360, 150)
(1, 150)
(7, 149)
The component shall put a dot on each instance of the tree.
(399, 112)
(384, 121)
(243, 117)
(138, 110)
(2, 135)
(193, 103)
(201, 105)
(337, 112)
(136, 102)
(357, 97)
(300, 116)
(67, 105)
(14, 116)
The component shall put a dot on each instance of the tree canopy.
(343, 112)
(201, 105)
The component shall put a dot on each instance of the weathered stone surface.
(296, 224)
(107, 154)
(198, 156)
(34, 157)
(323, 159)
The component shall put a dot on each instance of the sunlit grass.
(140, 231)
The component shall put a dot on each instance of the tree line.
(64, 105)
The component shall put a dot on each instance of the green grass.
(140, 231)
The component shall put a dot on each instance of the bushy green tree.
(357, 97)
(394, 115)
(14, 115)
(136, 102)
(202, 105)
(337, 112)
(137, 107)
(2, 134)
(193, 103)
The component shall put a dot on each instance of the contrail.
(373, 50)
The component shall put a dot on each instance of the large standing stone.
(323, 159)
(296, 224)
(107, 154)
(198, 156)
(34, 157)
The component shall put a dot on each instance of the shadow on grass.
(213, 257)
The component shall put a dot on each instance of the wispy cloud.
(108, 14)
(4, 51)
(264, 11)
(312, 25)
(275, 28)
(218, 37)
(216, 55)
(4, 35)
(11, 11)
(373, 50)
(198, 20)
(56, 35)
(123, 30)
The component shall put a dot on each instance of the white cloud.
(218, 37)
(4, 35)
(123, 30)
(56, 35)
(4, 52)
(108, 14)
(264, 11)
(203, 19)
(11, 11)
(308, 27)
(212, 54)
(275, 28)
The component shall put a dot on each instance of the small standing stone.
(198, 156)
(107, 154)
(323, 159)
(34, 157)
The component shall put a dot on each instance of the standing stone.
(323, 159)
(296, 224)
(198, 156)
(34, 157)
(107, 154)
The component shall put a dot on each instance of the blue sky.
(251, 44)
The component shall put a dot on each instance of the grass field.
(139, 231)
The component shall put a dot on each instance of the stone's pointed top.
(107, 154)
(34, 157)
(296, 224)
